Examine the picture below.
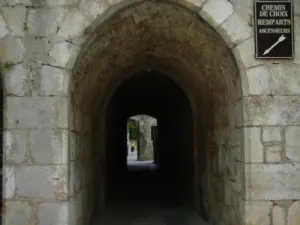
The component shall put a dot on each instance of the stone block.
(297, 50)
(293, 217)
(54, 81)
(245, 55)
(73, 146)
(271, 110)
(216, 12)
(17, 212)
(48, 182)
(272, 181)
(37, 50)
(273, 153)
(16, 18)
(297, 8)
(3, 28)
(63, 55)
(10, 187)
(44, 22)
(91, 9)
(16, 82)
(257, 212)
(259, 78)
(234, 30)
(285, 79)
(15, 145)
(73, 25)
(292, 140)
(37, 112)
(252, 144)
(54, 2)
(49, 146)
(15, 50)
(297, 25)
(50, 213)
(17, 2)
(270, 134)
(60, 107)
(278, 215)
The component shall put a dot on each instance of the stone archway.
(42, 186)
(173, 40)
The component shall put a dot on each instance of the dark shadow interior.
(155, 94)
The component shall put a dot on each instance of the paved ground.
(144, 197)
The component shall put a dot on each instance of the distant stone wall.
(145, 146)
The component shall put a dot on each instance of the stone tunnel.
(227, 124)
(162, 60)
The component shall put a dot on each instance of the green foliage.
(133, 130)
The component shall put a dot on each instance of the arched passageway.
(160, 59)
(69, 59)
(154, 94)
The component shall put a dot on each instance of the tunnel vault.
(174, 41)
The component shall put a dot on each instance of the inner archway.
(154, 94)
(166, 40)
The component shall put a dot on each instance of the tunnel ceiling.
(148, 92)
(156, 35)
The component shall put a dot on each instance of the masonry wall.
(37, 58)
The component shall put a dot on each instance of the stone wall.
(145, 148)
(40, 41)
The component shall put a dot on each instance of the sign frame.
(260, 57)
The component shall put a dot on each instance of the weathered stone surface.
(36, 50)
(62, 55)
(54, 81)
(183, 55)
(73, 25)
(16, 81)
(16, 2)
(252, 143)
(44, 22)
(278, 215)
(10, 187)
(48, 182)
(15, 145)
(54, 2)
(293, 217)
(292, 139)
(216, 12)
(270, 134)
(272, 181)
(285, 79)
(268, 110)
(17, 212)
(91, 8)
(16, 19)
(244, 53)
(3, 29)
(50, 112)
(297, 50)
(15, 50)
(273, 153)
(234, 33)
(53, 213)
(259, 80)
(49, 146)
(257, 212)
